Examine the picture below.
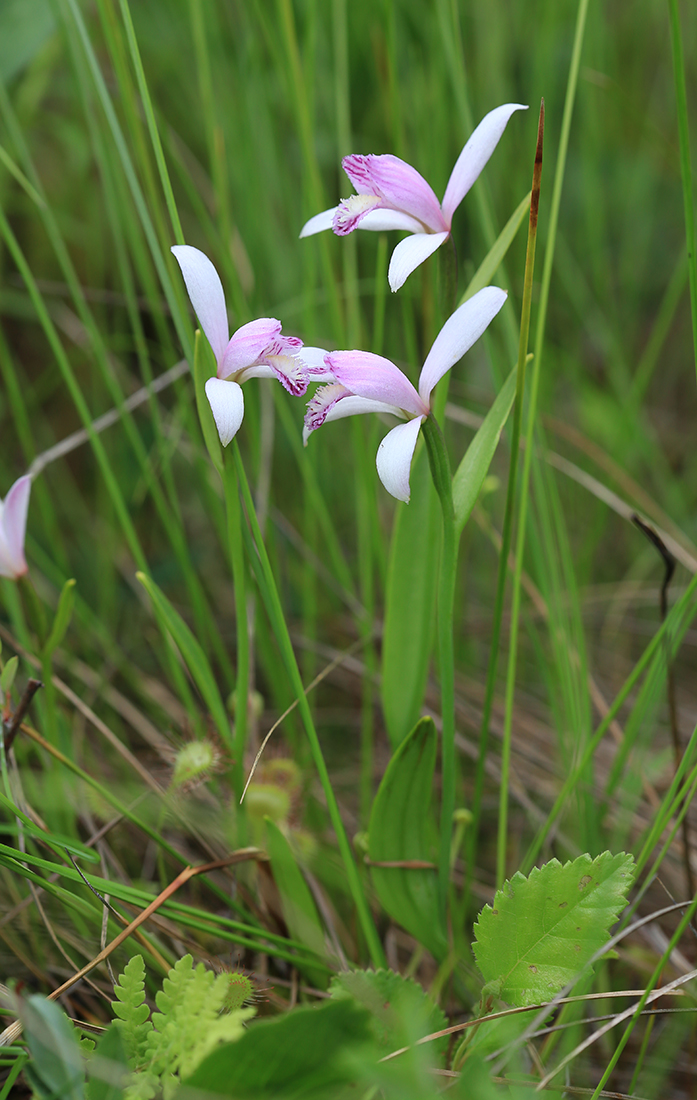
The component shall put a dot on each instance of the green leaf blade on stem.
(299, 909)
(496, 254)
(192, 653)
(470, 474)
(543, 931)
(402, 831)
(410, 599)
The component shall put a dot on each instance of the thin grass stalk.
(673, 627)
(150, 119)
(652, 983)
(510, 503)
(275, 611)
(685, 163)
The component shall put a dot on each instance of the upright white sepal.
(206, 293)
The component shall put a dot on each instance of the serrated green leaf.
(410, 596)
(290, 1056)
(401, 829)
(402, 1011)
(299, 909)
(542, 931)
(56, 1061)
(192, 653)
(470, 474)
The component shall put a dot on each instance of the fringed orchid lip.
(13, 525)
(390, 194)
(361, 382)
(256, 350)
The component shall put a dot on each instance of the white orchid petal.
(319, 223)
(382, 220)
(353, 406)
(13, 525)
(227, 404)
(206, 293)
(475, 155)
(394, 458)
(411, 252)
(462, 329)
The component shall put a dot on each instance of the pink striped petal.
(397, 185)
(227, 404)
(411, 252)
(375, 378)
(394, 458)
(318, 223)
(249, 344)
(205, 291)
(475, 155)
(13, 525)
(462, 329)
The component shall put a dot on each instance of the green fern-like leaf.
(132, 1012)
(543, 930)
(189, 1025)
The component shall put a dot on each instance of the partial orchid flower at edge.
(13, 524)
(256, 350)
(393, 195)
(361, 382)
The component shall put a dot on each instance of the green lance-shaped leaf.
(494, 257)
(204, 368)
(7, 677)
(402, 830)
(292, 1056)
(543, 931)
(299, 909)
(410, 598)
(56, 1063)
(470, 474)
(194, 657)
(61, 622)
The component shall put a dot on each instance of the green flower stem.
(520, 540)
(237, 564)
(440, 471)
(270, 595)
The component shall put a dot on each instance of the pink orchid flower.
(13, 524)
(393, 195)
(256, 350)
(361, 382)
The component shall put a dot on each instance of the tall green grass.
(125, 129)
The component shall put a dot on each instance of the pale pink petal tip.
(227, 404)
(394, 458)
(205, 291)
(13, 524)
(318, 223)
(475, 154)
